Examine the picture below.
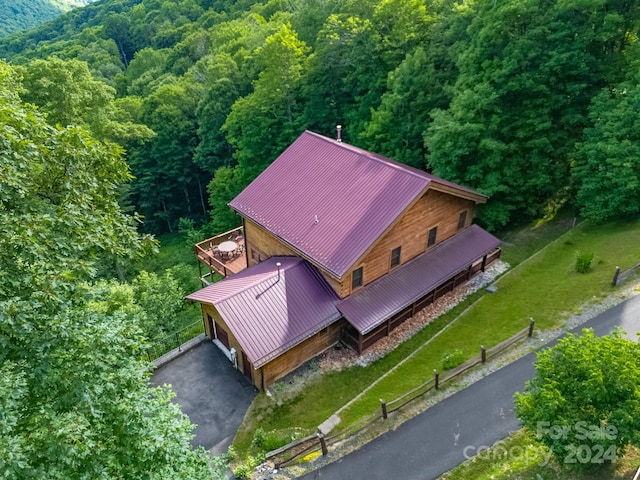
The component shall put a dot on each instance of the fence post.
(383, 404)
(483, 354)
(323, 443)
(615, 277)
(437, 378)
(178, 342)
(531, 324)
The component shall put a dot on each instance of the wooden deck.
(222, 263)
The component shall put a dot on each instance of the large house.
(337, 244)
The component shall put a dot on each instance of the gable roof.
(388, 295)
(331, 201)
(270, 312)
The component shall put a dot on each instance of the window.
(432, 237)
(356, 278)
(256, 256)
(395, 257)
(462, 220)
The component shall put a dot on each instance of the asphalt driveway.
(211, 392)
(476, 417)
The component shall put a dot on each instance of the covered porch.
(385, 304)
(224, 254)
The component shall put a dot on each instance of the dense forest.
(533, 103)
(16, 15)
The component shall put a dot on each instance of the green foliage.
(16, 15)
(74, 390)
(155, 300)
(607, 166)
(67, 93)
(585, 393)
(530, 103)
(453, 359)
(583, 261)
(267, 441)
(246, 468)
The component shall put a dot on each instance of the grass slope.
(518, 457)
(545, 287)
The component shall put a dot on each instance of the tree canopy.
(75, 399)
(584, 402)
(523, 101)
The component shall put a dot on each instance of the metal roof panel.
(385, 297)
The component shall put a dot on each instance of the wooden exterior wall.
(292, 359)
(283, 364)
(261, 242)
(361, 343)
(410, 232)
(434, 209)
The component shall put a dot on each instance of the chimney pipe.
(339, 129)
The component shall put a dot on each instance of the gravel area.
(413, 325)
(342, 358)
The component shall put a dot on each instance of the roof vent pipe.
(339, 129)
(315, 220)
(278, 265)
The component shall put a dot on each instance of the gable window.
(462, 220)
(395, 257)
(431, 240)
(356, 278)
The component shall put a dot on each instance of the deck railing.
(204, 252)
(206, 245)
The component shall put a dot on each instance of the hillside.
(16, 15)
(533, 105)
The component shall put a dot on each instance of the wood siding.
(292, 359)
(434, 209)
(283, 364)
(267, 245)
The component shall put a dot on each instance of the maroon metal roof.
(331, 201)
(269, 314)
(388, 295)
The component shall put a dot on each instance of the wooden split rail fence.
(621, 275)
(318, 442)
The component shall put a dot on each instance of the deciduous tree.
(75, 400)
(584, 402)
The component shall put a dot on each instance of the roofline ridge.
(399, 165)
(257, 281)
(377, 157)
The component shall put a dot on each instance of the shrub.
(267, 441)
(245, 469)
(452, 360)
(583, 261)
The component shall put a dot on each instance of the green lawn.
(519, 457)
(546, 288)
(323, 396)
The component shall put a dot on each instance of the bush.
(267, 441)
(452, 360)
(583, 261)
(245, 469)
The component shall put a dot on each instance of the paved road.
(434, 442)
(211, 392)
